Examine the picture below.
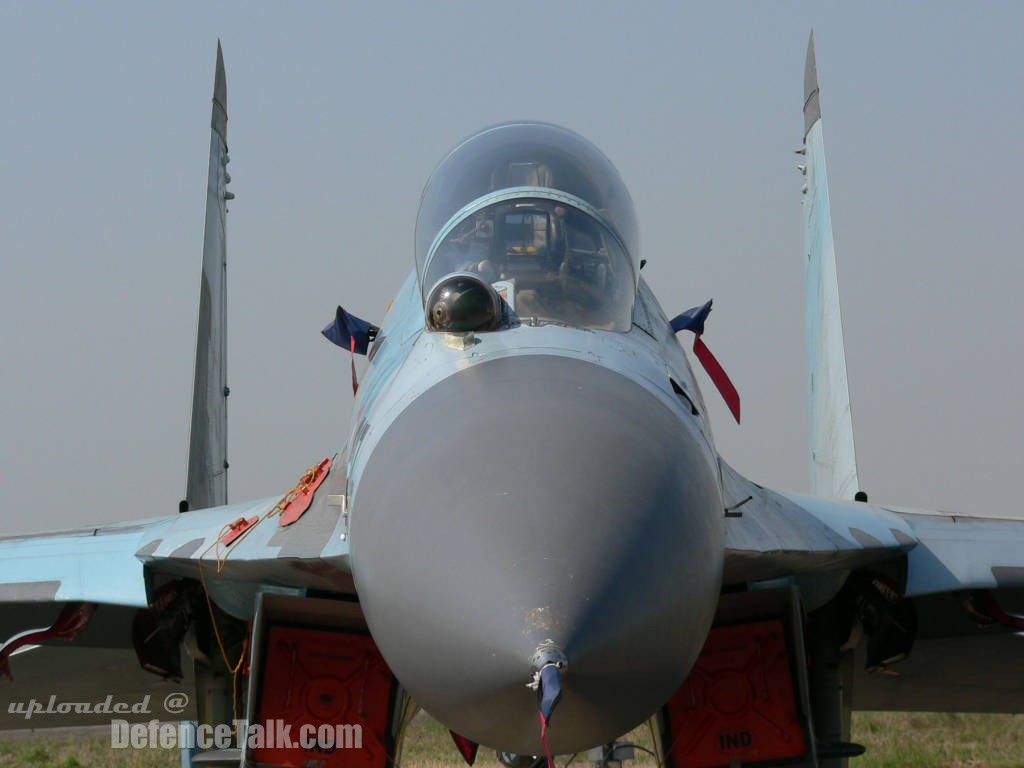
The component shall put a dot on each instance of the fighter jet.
(528, 532)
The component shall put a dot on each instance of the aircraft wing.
(965, 580)
(777, 534)
(81, 672)
(772, 535)
(115, 564)
(118, 568)
(41, 577)
(958, 576)
(781, 534)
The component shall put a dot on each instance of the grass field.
(904, 740)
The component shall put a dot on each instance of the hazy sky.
(337, 114)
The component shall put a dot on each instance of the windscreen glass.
(524, 157)
(549, 261)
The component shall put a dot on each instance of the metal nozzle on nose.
(547, 653)
(548, 664)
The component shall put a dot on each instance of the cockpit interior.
(550, 261)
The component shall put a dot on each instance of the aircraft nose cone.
(529, 499)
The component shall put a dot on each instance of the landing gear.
(869, 604)
(611, 755)
(513, 760)
(831, 684)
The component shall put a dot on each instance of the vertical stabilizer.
(833, 460)
(207, 483)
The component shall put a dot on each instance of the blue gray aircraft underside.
(529, 532)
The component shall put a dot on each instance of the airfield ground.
(903, 740)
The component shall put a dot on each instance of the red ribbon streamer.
(352, 350)
(467, 747)
(718, 376)
(544, 740)
(69, 624)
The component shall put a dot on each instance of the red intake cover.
(738, 705)
(319, 677)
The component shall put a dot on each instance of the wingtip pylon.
(812, 104)
(220, 98)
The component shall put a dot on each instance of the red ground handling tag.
(297, 501)
(237, 528)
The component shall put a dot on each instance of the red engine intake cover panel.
(314, 677)
(738, 704)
